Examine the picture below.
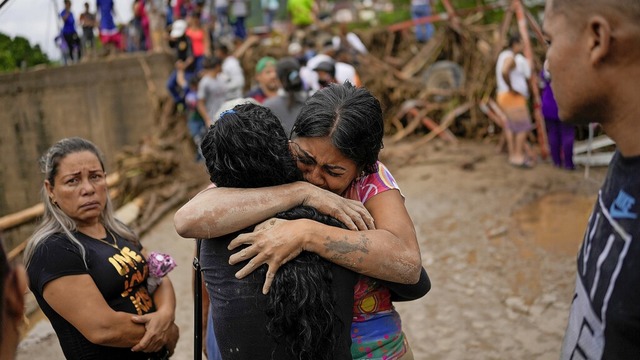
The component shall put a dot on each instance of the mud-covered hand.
(273, 242)
(159, 331)
(350, 212)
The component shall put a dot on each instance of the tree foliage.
(15, 51)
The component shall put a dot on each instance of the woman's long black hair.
(247, 148)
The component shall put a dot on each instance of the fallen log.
(415, 117)
(433, 126)
(427, 54)
(179, 197)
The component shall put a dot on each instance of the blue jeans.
(198, 62)
(424, 32)
(268, 17)
(198, 130)
(213, 352)
(239, 30)
(177, 92)
(222, 15)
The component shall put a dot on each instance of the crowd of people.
(206, 74)
(73, 46)
(151, 23)
(324, 244)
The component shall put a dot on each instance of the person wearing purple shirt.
(69, 32)
(560, 134)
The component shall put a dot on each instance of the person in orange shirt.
(200, 43)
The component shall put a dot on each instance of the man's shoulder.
(506, 53)
(255, 91)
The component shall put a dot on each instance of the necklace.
(115, 241)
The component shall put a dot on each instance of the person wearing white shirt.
(232, 72)
(512, 73)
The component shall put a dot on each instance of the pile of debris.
(438, 88)
(159, 173)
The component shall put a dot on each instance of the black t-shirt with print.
(604, 322)
(184, 50)
(120, 275)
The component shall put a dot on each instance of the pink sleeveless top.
(197, 41)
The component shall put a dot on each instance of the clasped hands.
(160, 332)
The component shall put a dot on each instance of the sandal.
(523, 165)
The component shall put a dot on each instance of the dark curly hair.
(351, 117)
(247, 147)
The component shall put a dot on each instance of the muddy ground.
(498, 242)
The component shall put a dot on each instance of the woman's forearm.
(92, 316)
(220, 211)
(165, 298)
(116, 331)
(375, 253)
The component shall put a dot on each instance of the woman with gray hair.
(88, 271)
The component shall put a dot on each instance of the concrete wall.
(110, 102)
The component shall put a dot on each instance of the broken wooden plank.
(130, 211)
(596, 143)
(422, 57)
(415, 120)
(597, 159)
(432, 125)
(447, 120)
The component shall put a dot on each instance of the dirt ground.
(498, 242)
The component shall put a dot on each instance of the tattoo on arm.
(345, 253)
(342, 246)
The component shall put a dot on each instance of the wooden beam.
(447, 120)
(439, 17)
(446, 134)
(422, 57)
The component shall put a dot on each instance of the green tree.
(14, 51)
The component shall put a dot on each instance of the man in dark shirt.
(88, 22)
(184, 68)
(593, 58)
